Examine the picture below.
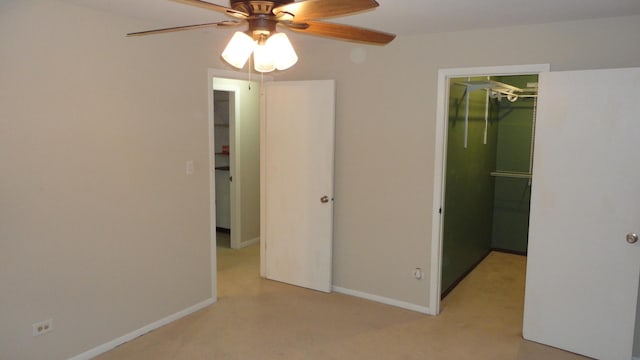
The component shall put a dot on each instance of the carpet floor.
(256, 318)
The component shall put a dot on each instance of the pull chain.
(249, 71)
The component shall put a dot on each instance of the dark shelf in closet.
(224, 168)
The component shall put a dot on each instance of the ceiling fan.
(263, 16)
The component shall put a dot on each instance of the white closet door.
(582, 273)
(298, 182)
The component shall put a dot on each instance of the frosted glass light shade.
(239, 49)
(276, 52)
(263, 59)
(281, 49)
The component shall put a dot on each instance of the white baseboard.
(143, 330)
(384, 300)
(244, 244)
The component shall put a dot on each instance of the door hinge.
(440, 211)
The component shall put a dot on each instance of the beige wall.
(385, 126)
(100, 228)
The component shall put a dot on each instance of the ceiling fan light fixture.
(276, 52)
(264, 60)
(239, 49)
(284, 54)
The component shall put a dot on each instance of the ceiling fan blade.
(344, 32)
(228, 23)
(214, 7)
(317, 9)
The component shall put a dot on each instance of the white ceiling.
(402, 17)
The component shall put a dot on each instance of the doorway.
(487, 171)
(477, 177)
(235, 151)
(247, 166)
(224, 102)
(241, 100)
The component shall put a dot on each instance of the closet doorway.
(485, 132)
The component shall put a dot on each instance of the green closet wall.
(469, 189)
(512, 196)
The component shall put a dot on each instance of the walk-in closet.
(489, 157)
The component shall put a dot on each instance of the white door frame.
(217, 73)
(440, 160)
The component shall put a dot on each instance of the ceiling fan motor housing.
(262, 22)
(258, 7)
(261, 28)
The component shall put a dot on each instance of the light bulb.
(239, 49)
(263, 59)
(282, 51)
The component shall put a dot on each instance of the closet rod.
(508, 174)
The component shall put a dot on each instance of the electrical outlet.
(42, 327)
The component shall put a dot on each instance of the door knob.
(324, 199)
(632, 238)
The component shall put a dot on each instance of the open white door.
(582, 273)
(297, 182)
